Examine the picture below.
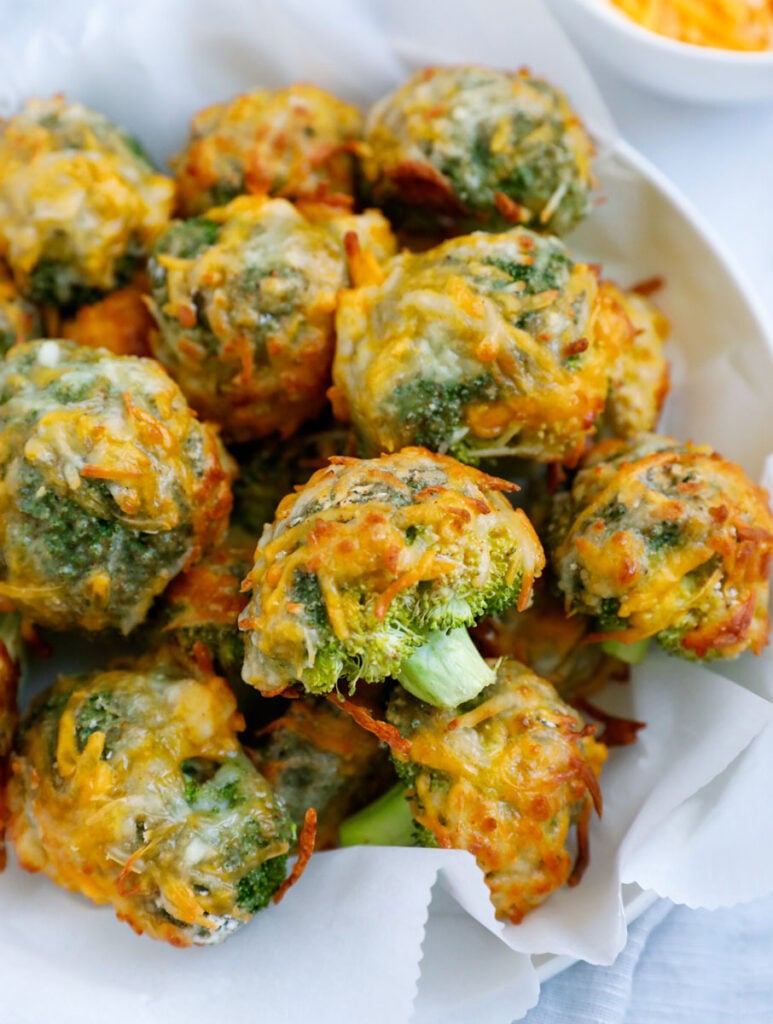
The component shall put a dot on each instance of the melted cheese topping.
(509, 314)
(472, 145)
(381, 542)
(73, 191)
(113, 436)
(677, 539)
(506, 780)
(295, 142)
(247, 325)
(103, 799)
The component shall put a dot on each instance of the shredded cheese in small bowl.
(725, 24)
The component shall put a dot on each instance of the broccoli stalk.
(385, 822)
(446, 671)
(631, 654)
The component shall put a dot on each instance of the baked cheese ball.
(19, 319)
(373, 562)
(640, 381)
(465, 147)
(109, 485)
(506, 776)
(80, 203)
(485, 346)
(294, 143)
(659, 538)
(131, 788)
(245, 300)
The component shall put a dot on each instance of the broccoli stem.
(631, 654)
(385, 822)
(446, 671)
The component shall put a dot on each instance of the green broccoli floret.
(434, 411)
(423, 641)
(255, 889)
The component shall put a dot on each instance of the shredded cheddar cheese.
(725, 24)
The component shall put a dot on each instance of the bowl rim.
(705, 55)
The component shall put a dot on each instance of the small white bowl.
(701, 73)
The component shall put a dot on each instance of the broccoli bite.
(80, 202)
(294, 143)
(110, 485)
(486, 346)
(130, 787)
(640, 380)
(466, 147)
(245, 298)
(664, 539)
(11, 646)
(376, 567)
(271, 468)
(315, 755)
(121, 323)
(552, 644)
(19, 319)
(506, 776)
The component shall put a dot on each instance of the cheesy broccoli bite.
(19, 319)
(506, 776)
(315, 755)
(245, 300)
(110, 485)
(486, 346)
(466, 147)
(375, 568)
(80, 202)
(640, 380)
(130, 787)
(294, 143)
(664, 539)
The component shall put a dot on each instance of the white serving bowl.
(701, 73)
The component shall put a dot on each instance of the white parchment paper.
(353, 941)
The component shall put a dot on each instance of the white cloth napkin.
(680, 966)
